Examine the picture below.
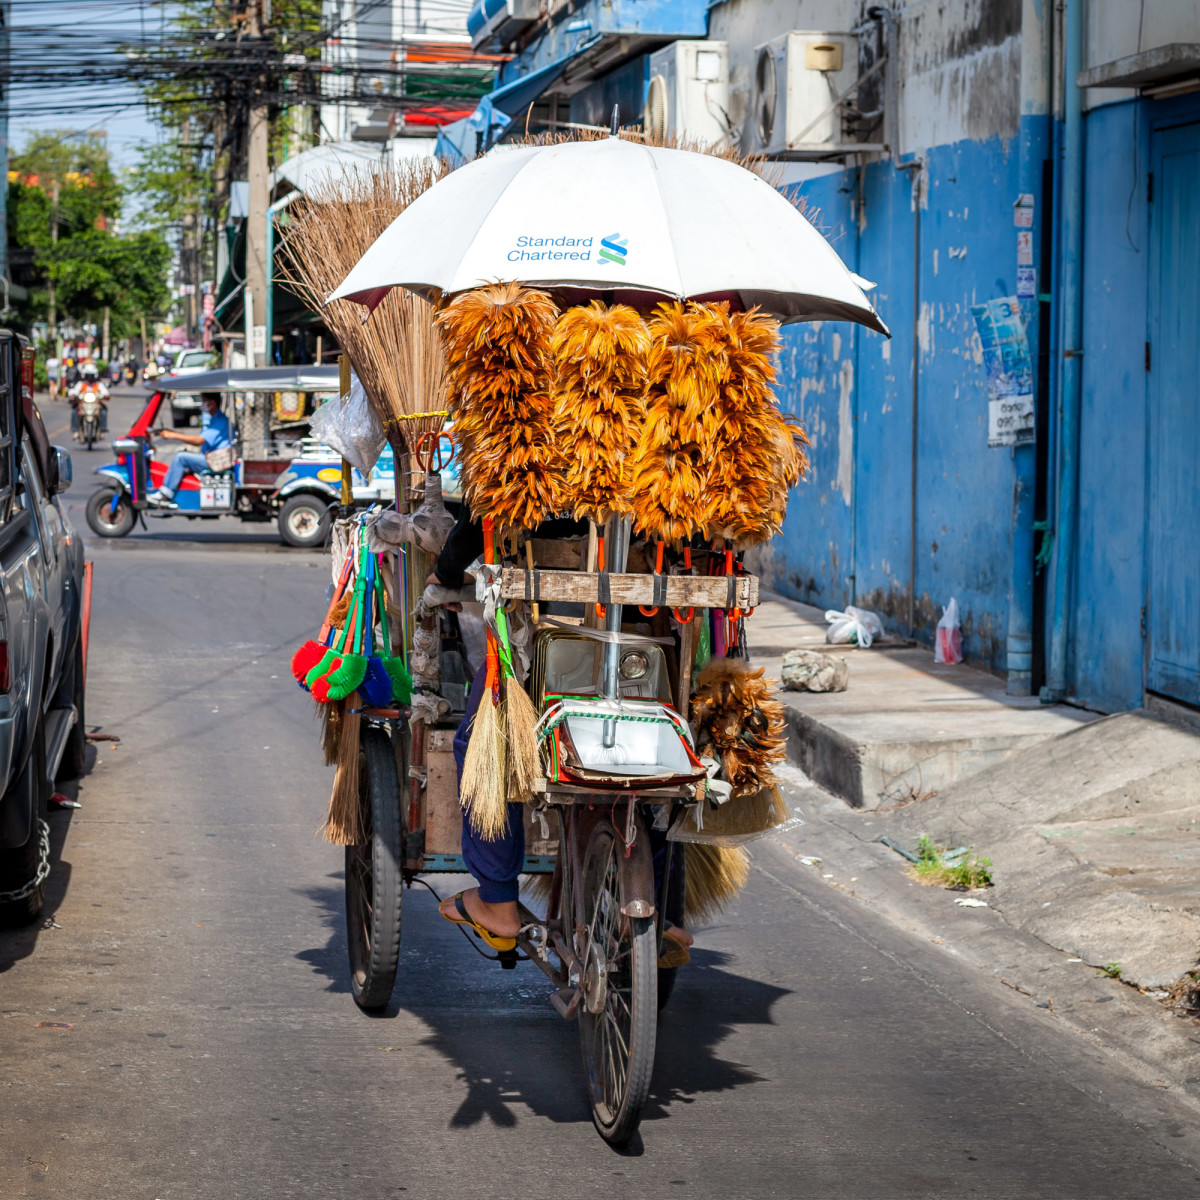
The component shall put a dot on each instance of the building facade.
(1021, 181)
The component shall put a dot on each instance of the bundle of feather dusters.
(755, 455)
(600, 359)
(497, 342)
(715, 454)
(738, 721)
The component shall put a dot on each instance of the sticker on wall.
(1023, 211)
(1009, 371)
(1027, 283)
(1024, 249)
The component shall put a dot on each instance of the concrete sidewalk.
(1092, 823)
(905, 728)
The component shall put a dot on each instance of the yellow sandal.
(495, 940)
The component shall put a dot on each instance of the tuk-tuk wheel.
(103, 519)
(304, 521)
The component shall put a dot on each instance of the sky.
(66, 27)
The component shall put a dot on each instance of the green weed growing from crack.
(959, 871)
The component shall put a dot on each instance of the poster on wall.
(1009, 368)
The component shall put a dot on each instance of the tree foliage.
(64, 212)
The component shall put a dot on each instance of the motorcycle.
(130, 374)
(89, 417)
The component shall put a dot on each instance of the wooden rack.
(583, 587)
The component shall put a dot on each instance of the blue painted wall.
(847, 534)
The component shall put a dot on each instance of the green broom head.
(340, 671)
(401, 679)
(315, 679)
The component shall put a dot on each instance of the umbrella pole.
(621, 528)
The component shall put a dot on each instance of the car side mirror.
(63, 462)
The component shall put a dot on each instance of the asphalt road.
(183, 1029)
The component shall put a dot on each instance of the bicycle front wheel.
(618, 1016)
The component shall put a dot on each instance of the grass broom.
(713, 876)
(342, 824)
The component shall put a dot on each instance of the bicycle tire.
(373, 877)
(618, 1022)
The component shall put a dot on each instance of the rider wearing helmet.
(89, 380)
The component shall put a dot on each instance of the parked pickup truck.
(42, 666)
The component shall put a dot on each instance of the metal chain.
(43, 870)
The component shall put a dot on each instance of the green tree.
(64, 220)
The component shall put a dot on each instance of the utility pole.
(53, 307)
(257, 282)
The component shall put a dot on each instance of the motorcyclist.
(89, 380)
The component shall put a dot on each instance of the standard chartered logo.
(613, 249)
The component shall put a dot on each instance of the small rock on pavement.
(812, 671)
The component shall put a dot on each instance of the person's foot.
(501, 919)
(161, 500)
(675, 949)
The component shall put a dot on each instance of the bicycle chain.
(43, 870)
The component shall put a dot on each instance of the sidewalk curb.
(1161, 1049)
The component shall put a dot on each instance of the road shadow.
(509, 1047)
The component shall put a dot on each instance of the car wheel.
(304, 522)
(106, 522)
(20, 867)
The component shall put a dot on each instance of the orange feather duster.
(498, 347)
(756, 452)
(599, 403)
(685, 366)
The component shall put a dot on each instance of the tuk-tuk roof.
(252, 379)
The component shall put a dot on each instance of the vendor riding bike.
(215, 434)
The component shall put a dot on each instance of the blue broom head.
(376, 687)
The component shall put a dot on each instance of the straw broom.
(397, 354)
(342, 824)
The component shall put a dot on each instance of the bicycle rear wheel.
(373, 877)
(618, 1016)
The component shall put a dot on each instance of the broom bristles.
(397, 354)
(483, 779)
(522, 749)
(713, 876)
(330, 716)
(342, 824)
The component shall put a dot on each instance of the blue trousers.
(185, 462)
(496, 865)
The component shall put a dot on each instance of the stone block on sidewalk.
(812, 671)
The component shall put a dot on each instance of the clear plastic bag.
(859, 626)
(351, 428)
(948, 641)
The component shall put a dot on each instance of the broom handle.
(338, 593)
(493, 655)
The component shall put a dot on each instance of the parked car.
(41, 636)
(186, 405)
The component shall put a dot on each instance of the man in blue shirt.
(214, 434)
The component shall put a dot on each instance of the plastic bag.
(947, 646)
(856, 625)
(350, 428)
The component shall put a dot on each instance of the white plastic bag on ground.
(947, 646)
(350, 428)
(858, 626)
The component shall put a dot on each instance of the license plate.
(216, 497)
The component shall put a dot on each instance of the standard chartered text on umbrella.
(525, 253)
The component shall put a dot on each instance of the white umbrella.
(637, 223)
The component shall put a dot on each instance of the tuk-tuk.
(279, 472)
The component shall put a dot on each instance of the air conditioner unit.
(797, 78)
(688, 93)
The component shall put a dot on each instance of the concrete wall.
(1115, 29)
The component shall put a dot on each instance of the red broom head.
(306, 658)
